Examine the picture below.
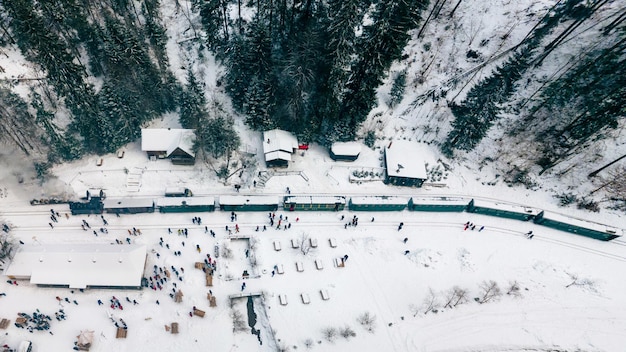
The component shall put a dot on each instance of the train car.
(129, 205)
(502, 210)
(334, 203)
(577, 226)
(248, 203)
(93, 206)
(378, 203)
(438, 204)
(178, 192)
(185, 205)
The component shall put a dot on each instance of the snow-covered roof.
(277, 155)
(440, 200)
(506, 207)
(379, 200)
(581, 223)
(315, 199)
(178, 201)
(118, 203)
(243, 200)
(279, 140)
(346, 148)
(80, 265)
(167, 140)
(404, 160)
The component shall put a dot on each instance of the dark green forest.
(311, 67)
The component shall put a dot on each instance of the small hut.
(178, 297)
(198, 312)
(85, 339)
(121, 333)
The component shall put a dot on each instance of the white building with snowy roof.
(278, 146)
(171, 143)
(80, 265)
(403, 164)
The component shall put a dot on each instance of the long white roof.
(167, 140)
(248, 200)
(191, 201)
(279, 140)
(346, 148)
(404, 160)
(80, 265)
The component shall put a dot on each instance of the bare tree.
(239, 323)
(305, 244)
(7, 247)
(577, 281)
(513, 289)
(455, 296)
(489, 291)
(330, 334)
(368, 321)
(308, 343)
(347, 332)
(431, 303)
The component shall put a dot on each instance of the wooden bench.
(313, 242)
(4, 324)
(174, 328)
(332, 242)
(318, 264)
(339, 262)
(305, 298)
(295, 243)
(277, 246)
(121, 333)
(280, 269)
(282, 299)
(299, 267)
(324, 295)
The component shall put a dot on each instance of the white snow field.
(570, 297)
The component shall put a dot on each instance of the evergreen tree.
(397, 89)
(193, 111)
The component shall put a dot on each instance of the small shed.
(345, 151)
(85, 340)
(121, 333)
(278, 146)
(403, 164)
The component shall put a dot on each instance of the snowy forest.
(100, 70)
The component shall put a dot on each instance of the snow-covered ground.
(571, 291)
(379, 277)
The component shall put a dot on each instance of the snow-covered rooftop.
(167, 140)
(242, 200)
(80, 265)
(277, 155)
(279, 140)
(404, 159)
(315, 199)
(178, 201)
(379, 200)
(506, 207)
(346, 148)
